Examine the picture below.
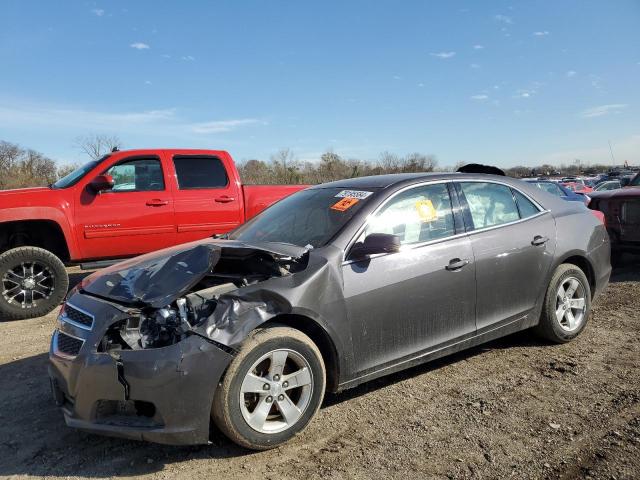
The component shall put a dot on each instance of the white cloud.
(601, 110)
(162, 123)
(98, 12)
(623, 149)
(474, 65)
(140, 46)
(397, 77)
(147, 82)
(421, 84)
(480, 97)
(443, 54)
(165, 55)
(571, 73)
(188, 58)
(220, 126)
(540, 34)
(503, 19)
(478, 47)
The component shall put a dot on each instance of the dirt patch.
(514, 408)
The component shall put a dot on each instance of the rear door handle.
(156, 202)
(457, 264)
(224, 199)
(539, 240)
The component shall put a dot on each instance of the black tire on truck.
(33, 281)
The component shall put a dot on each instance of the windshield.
(75, 176)
(636, 181)
(309, 217)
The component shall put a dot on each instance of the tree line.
(20, 167)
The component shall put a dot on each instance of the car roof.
(398, 179)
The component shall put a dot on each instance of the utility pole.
(613, 159)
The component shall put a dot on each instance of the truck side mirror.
(376, 243)
(101, 183)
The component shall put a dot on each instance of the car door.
(206, 201)
(405, 303)
(513, 241)
(134, 217)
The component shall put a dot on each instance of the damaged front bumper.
(162, 395)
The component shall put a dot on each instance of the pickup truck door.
(135, 217)
(207, 199)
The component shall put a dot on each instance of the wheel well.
(322, 340)
(583, 264)
(34, 233)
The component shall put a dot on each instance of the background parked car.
(559, 190)
(607, 185)
(124, 204)
(621, 209)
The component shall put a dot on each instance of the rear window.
(200, 172)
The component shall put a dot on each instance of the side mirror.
(101, 183)
(376, 243)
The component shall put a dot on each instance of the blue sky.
(496, 82)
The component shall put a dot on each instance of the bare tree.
(95, 146)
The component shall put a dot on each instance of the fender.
(59, 215)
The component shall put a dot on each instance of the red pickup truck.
(124, 204)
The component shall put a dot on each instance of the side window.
(139, 175)
(526, 207)
(200, 172)
(489, 204)
(417, 215)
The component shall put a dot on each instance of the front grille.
(68, 345)
(77, 316)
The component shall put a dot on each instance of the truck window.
(195, 172)
(139, 175)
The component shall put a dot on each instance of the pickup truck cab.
(124, 204)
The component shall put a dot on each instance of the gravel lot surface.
(514, 408)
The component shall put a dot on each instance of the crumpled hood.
(158, 278)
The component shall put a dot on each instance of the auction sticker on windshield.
(359, 194)
(344, 204)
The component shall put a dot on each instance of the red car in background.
(124, 204)
(578, 187)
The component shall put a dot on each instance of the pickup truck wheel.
(33, 281)
(271, 390)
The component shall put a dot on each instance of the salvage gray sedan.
(331, 287)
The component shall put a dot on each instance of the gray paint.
(381, 315)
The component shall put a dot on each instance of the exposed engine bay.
(191, 288)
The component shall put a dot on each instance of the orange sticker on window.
(344, 204)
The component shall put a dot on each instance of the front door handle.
(156, 202)
(457, 264)
(224, 199)
(539, 240)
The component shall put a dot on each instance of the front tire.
(567, 305)
(33, 281)
(271, 390)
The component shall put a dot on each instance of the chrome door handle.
(539, 240)
(456, 264)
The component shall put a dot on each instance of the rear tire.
(33, 281)
(567, 305)
(271, 390)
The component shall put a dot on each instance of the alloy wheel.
(25, 284)
(570, 304)
(276, 391)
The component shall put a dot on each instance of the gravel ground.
(514, 408)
